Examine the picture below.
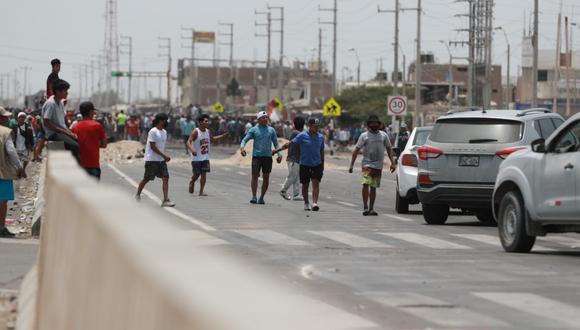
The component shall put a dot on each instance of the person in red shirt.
(133, 128)
(91, 137)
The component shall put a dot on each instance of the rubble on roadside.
(8, 309)
(123, 152)
(21, 211)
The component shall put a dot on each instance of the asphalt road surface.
(391, 271)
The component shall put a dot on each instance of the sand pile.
(122, 152)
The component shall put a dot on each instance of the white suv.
(538, 189)
(407, 170)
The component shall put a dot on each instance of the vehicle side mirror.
(539, 146)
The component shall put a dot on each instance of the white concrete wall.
(107, 262)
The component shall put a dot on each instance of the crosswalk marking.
(564, 240)
(350, 239)
(427, 241)
(435, 311)
(271, 237)
(346, 204)
(398, 217)
(204, 239)
(241, 173)
(535, 305)
(494, 240)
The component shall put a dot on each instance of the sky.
(36, 31)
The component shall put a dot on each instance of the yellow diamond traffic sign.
(332, 108)
(217, 107)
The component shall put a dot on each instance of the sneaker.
(254, 200)
(261, 201)
(191, 187)
(315, 207)
(306, 206)
(167, 203)
(366, 212)
(283, 194)
(297, 198)
(373, 213)
(138, 198)
(4, 232)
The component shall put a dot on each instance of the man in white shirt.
(155, 158)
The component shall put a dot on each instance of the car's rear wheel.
(435, 214)
(401, 203)
(485, 217)
(512, 224)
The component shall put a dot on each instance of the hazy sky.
(34, 31)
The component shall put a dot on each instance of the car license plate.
(469, 161)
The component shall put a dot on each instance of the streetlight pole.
(357, 67)
(449, 72)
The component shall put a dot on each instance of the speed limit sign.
(397, 106)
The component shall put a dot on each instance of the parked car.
(458, 164)
(406, 192)
(537, 190)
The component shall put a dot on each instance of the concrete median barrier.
(107, 262)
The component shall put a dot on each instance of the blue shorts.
(6, 190)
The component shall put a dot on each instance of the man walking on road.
(264, 136)
(311, 145)
(372, 142)
(155, 158)
(121, 124)
(199, 145)
(187, 127)
(91, 137)
(293, 160)
(23, 139)
(10, 169)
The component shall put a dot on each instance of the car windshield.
(421, 137)
(477, 130)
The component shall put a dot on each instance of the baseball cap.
(261, 114)
(5, 113)
(86, 107)
(21, 114)
(403, 125)
(313, 121)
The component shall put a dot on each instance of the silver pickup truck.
(537, 190)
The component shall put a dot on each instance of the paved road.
(393, 271)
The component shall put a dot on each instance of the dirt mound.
(122, 152)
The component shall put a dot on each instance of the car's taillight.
(426, 152)
(503, 154)
(409, 160)
(424, 179)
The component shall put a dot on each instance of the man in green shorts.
(373, 143)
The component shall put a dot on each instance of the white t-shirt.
(159, 137)
(201, 146)
(20, 140)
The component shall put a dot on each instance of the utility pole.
(396, 46)
(535, 60)
(281, 64)
(87, 93)
(320, 90)
(24, 87)
(268, 35)
(488, 41)
(231, 43)
(334, 24)
(129, 51)
(418, 66)
(194, 84)
(167, 46)
(508, 91)
(568, 60)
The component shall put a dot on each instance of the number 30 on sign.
(397, 106)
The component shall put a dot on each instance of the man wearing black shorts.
(311, 161)
(264, 136)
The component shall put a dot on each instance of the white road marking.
(494, 240)
(157, 200)
(347, 204)
(427, 241)
(396, 217)
(241, 173)
(204, 239)
(436, 311)
(535, 305)
(271, 237)
(227, 169)
(19, 241)
(350, 239)
(564, 240)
